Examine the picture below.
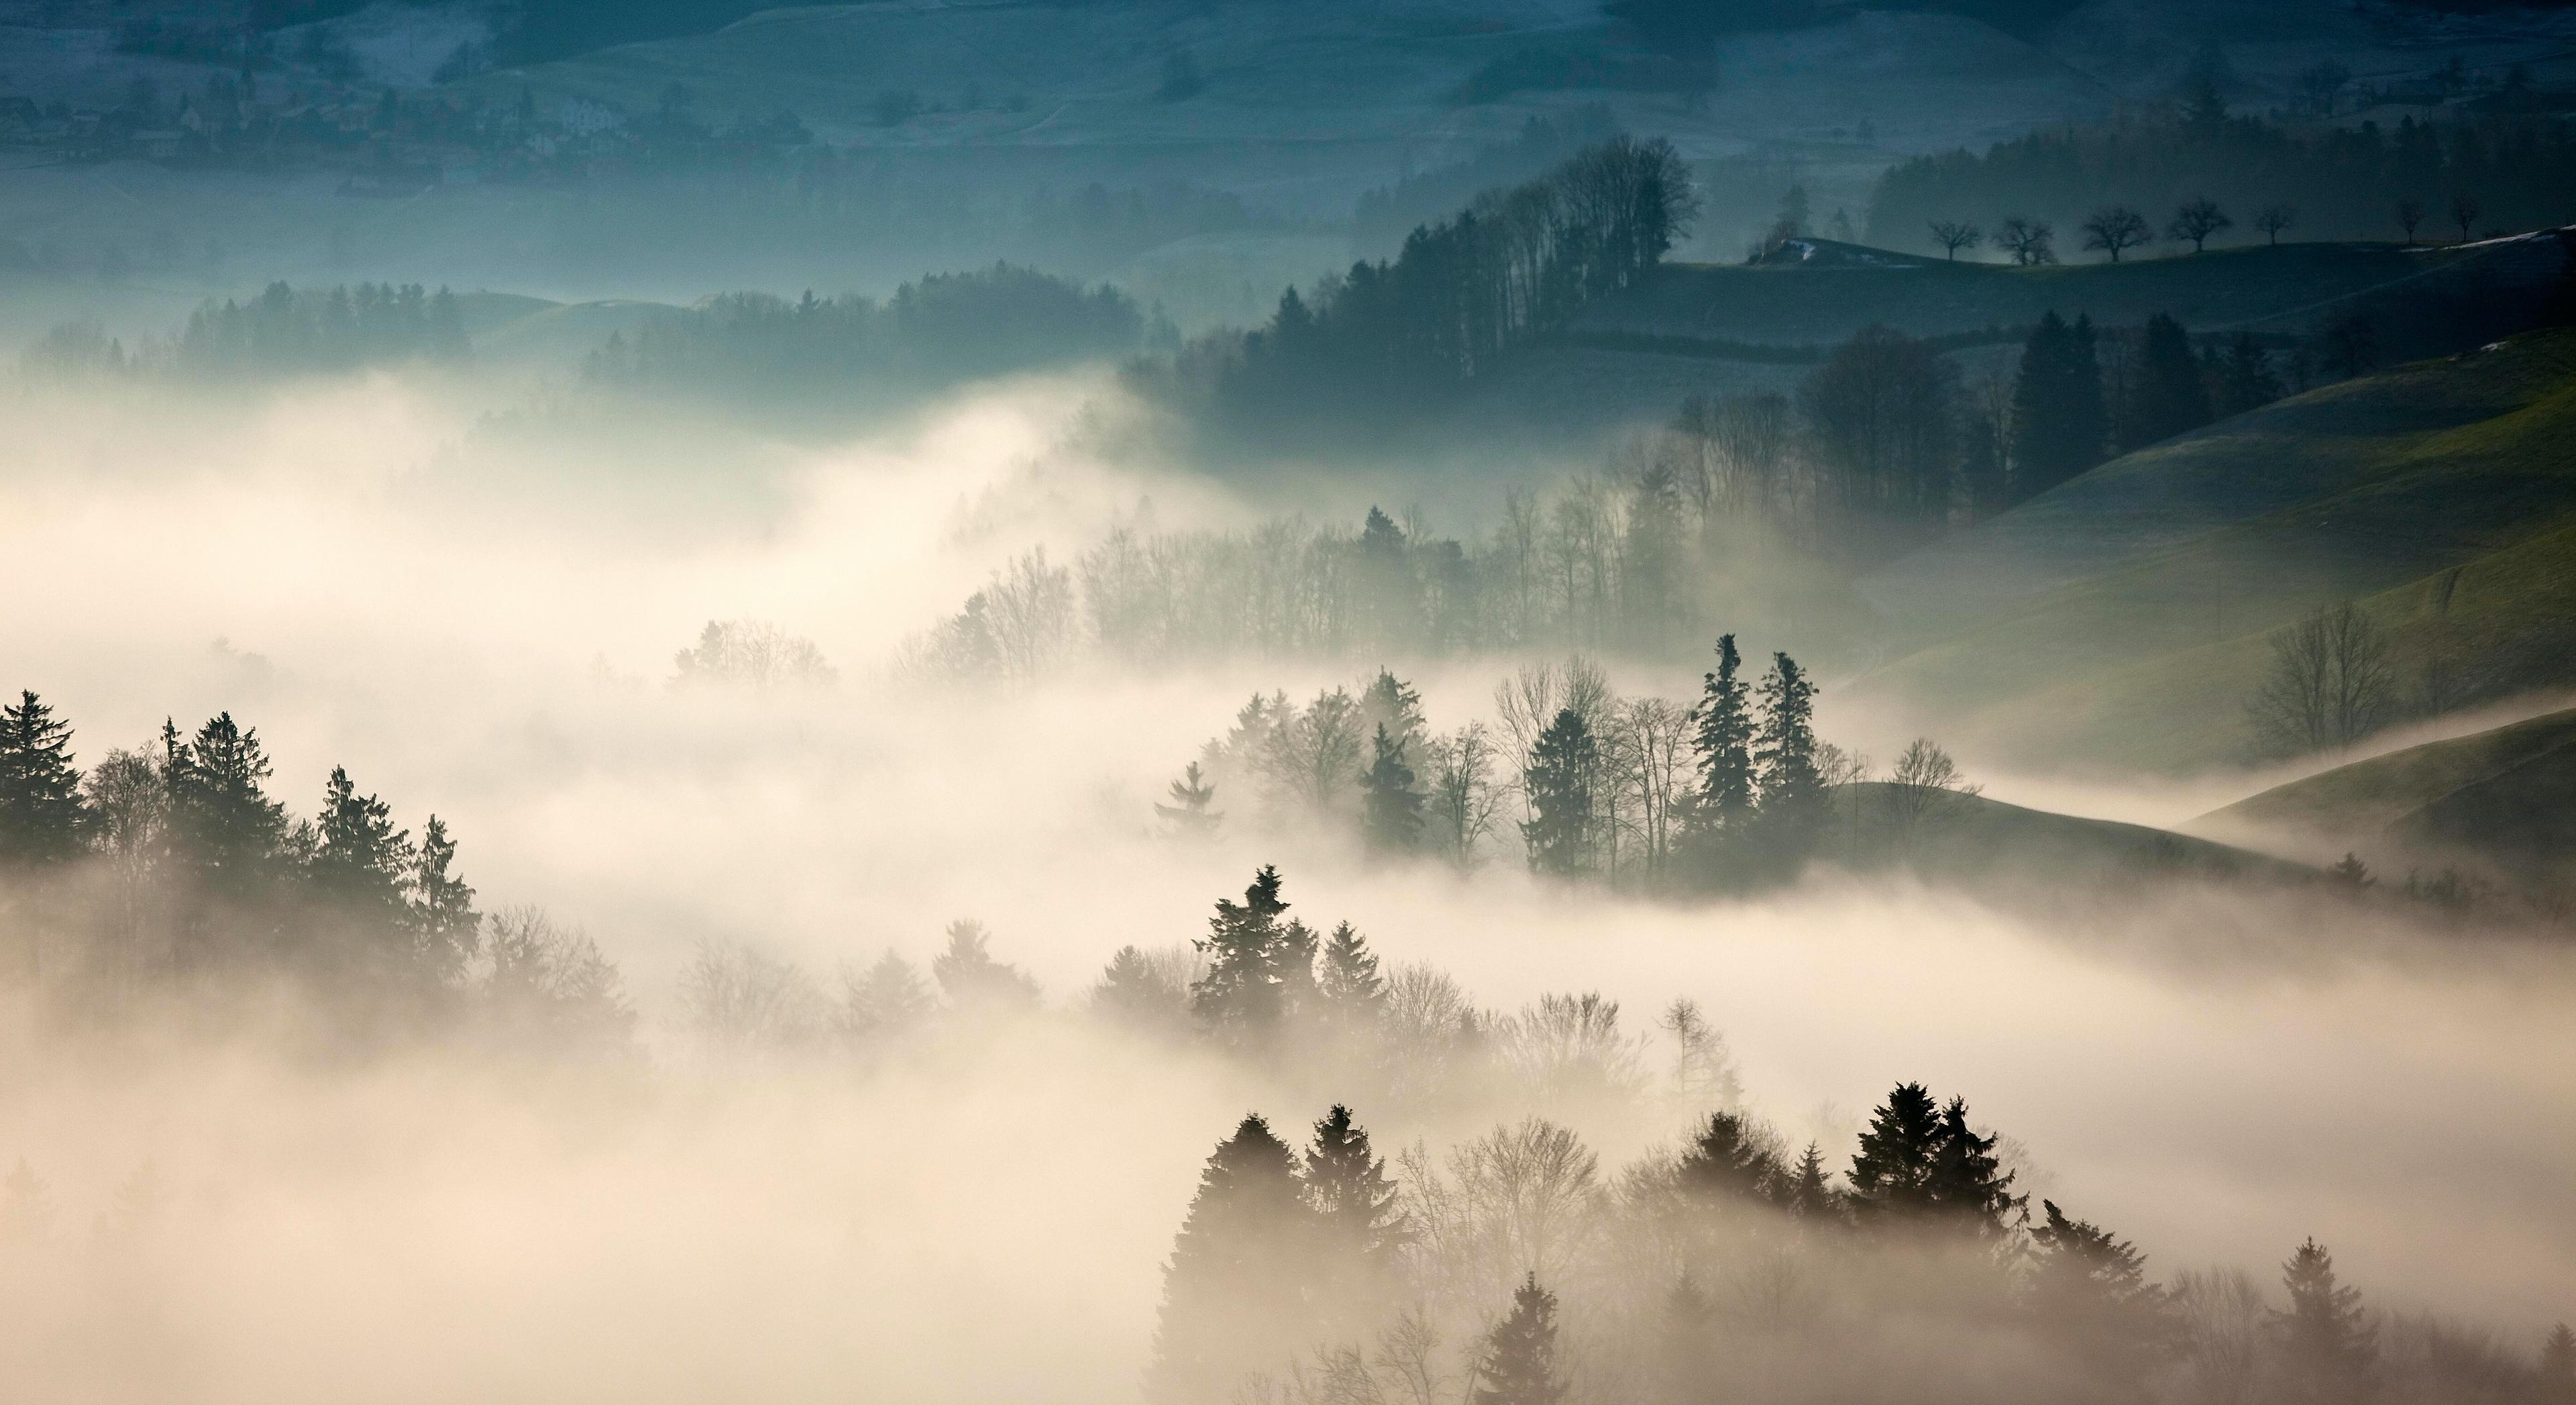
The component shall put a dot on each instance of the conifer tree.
(1893, 1170)
(1811, 1195)
(1519, 1364)
(2558, 1366)
(1192, 811)
(361, 863)
(2245, 379)
(1685, 1365)
(2088, 1290)
(1237, 1290)
(1790, 803)
(2058, 420)
(1354, 1202)
(2168, 395)
(442, 905)
(224, 820)
(1559, 781)
(1347, 978)
(1969, 1185)
(1239, 996)
(972, 980)
(2326, 1346)
(40, 798)
(1293, 961)
(1722, 741)
(1726, 1165)
(1391, 805)
(887, 1001)
(1138, 993)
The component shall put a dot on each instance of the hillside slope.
(2122, 619)
(1974, 839)
(2506, 796)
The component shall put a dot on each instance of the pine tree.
(41, 815)
(972, 980)
(1354, 1202)
(1790, 803)
(1236, 1291)
(1722, 740)
(226, 824)
(2326, 1346)
(2245, 379)
(1192, 811)
(1347, 978)
(2089, 1291)
(1892, 1172)
(887, 1001)
(1391, 805)
(1686, 1361)
(1238, 997)
(1811, 1195)
(2168, 395)
(442, 905)
(1969, 1185)
(1726, 1165)
(2059, 423)
(1559, 780)
(1140, 994)
(2558, 1366)
(1519, 1364)
(361, 862)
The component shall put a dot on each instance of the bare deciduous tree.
(2196, 221)
(2115, 228)
(2274, 219)
(1925, 788)
(2331, 682)
(2410, 217)
(2464, 213)
(753, 654)
(1464, 804)
(740, 1000)
(1954, 235)
(2030, 241)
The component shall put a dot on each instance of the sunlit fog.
(1495, 703)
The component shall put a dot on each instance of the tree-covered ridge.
(935, 331)
(1372, 347)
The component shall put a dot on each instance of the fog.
(375, 575)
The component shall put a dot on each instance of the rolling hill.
(1971, 839)
(2504, 798)
(2122, 619)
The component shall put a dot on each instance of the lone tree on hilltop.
(2274, 219)
(2115, 228)
(2196, 221)
(1954, 235)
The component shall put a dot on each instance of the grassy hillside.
(2122, 618)
(2507, 796)
(1970, 838)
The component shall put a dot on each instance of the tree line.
(1733, 1265)
(284, 331)
(2329, 182)
(1370, 347)
(1641, 792)
(170, 870)
(827, 353)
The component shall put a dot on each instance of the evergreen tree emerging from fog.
(41, 813)
(2327, 1346)
(1360, 1227)
(1722, 742)
(2088, 1291)
(1347, 978)
(1519, 1363)
(1391, 804)
(1559, 781)
(1239, 996)
(1235, 1288)
(1790, 788)
(1920, 1162)
(2059, 421)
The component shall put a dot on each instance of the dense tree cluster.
(2335, 182)
(1372, 346)
(822, 353)
(1638, 792)
(284, 331)
(172, 869)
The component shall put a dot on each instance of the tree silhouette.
(1954, 235)
(1390, 806)
(1191, 811)
(1519, 1364)
(2274, 219)
(2089, 1291)
(1360, 1228)
(2196, 221)
(1791, 791)
(1725, 1164)
(972, 980)
(1685, 1348)
(2114, 228)
(2326, 1347)
(1347, 978)
(1236, 1289)
(1722, 741)
(2168, 394)
(2410, 215)
(444, 921)
(1239, 996)
(41, 811)
(2464, 212)
(2031, 241)
(1559, 781)
(2059, 423)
